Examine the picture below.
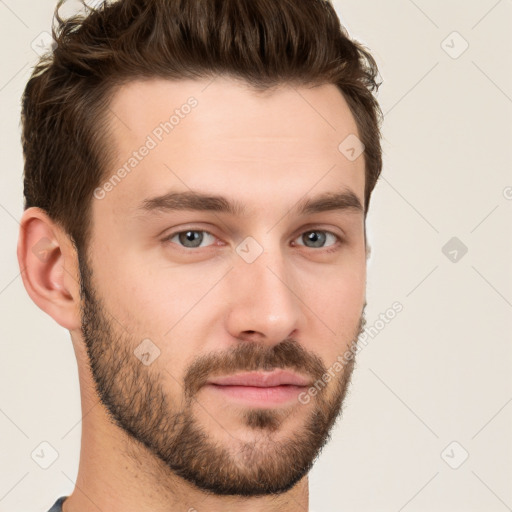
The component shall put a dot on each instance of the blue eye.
(194, 238)
(318, 238)
(190, 239)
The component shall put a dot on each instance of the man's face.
(206, 328)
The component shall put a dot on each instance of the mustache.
(251, 356)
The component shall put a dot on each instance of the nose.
(264, 306)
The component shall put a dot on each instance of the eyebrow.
(197, 201)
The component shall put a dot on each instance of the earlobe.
(48, 266)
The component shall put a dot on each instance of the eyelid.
(337, 232)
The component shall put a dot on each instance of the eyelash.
(329, 249)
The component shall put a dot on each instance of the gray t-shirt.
(57, 506)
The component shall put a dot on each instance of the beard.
(135, 399)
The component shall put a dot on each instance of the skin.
(267, 151)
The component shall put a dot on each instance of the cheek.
(163, 305)
(138, 292)
(337, 303)
(337, 289)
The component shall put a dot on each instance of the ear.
(49, 267)
(368, 251)
(367, 247)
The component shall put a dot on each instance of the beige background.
(433, 385)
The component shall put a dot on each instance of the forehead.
(221, 136)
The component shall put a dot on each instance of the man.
(197, 179)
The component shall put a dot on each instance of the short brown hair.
(265, 43)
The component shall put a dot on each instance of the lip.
(262, 379)
(260, 389)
